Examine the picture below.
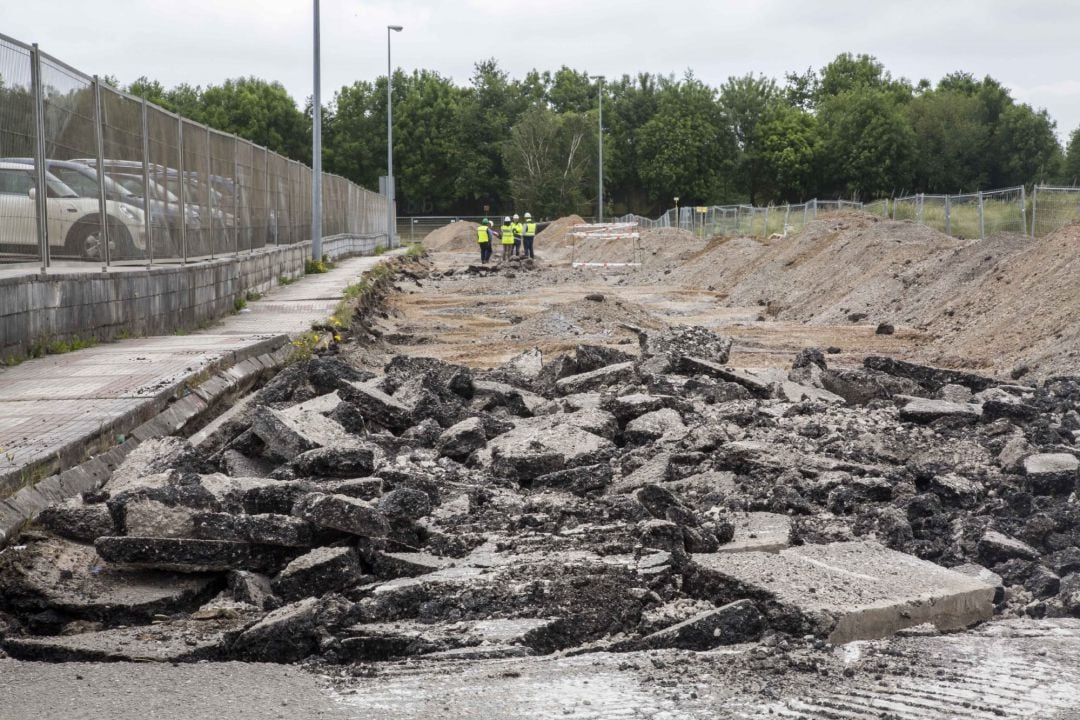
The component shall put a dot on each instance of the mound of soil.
(583, 319)
(455, 237)
(557, 234)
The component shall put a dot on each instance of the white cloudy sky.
(1032, 46)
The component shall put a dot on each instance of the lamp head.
(395, 28)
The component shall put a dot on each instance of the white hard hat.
(506, 219)
(515, 216)
(528, 216)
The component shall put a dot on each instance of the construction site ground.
(848, 287)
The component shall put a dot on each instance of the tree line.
(847, 130)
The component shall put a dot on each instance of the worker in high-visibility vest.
(484, 237)
(529, 235)
(507, 235)
(519, 230)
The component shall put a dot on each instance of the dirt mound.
(585, 320)
(557, 234)
(455, 237)
(662, 247)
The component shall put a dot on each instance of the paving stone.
(288, 433)
(340, 512)
(183, 554)
(595, 379)
(318, 572)
(1052, 473)
(925, 410)
(846, 591)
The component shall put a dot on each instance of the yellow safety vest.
(518, 230)
(507, 234)
(482, 234)
(530, 229)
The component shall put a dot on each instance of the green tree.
(790, 145)
(868, 143)
(746, 102)
(1071, 167)
(259, 111)
(550, 162)
(428, 150)
(951, 140)
(629, 103)
(686, 148)
(1029, 149)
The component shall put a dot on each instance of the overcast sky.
(1031, 46)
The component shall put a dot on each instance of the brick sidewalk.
(56, 405)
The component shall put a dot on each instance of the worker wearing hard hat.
(485, 235)
(519, 230)
(528, 235)
(507, 234)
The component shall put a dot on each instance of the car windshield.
(85, 183)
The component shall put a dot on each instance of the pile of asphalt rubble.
(592, 501)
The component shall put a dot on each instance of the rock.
(261, 529)
(924, 410)
(956, 489)
(322, 570)
(931, 378)
(593, 357)
(1042, 583)
(758, 532)
(76, 520)
(335, 462)
(595, 297)
(984, 575)
(369, 488)
(885, 329)
(1065, 561)
(627, 407)
(809, 357)
(956, 394)
(595, 379)
(239, 465)
(252, 588)
(285, 635)
(526, 365)
(578, 480)
(1052, 473)
(517, 401)
(845, 591)
(860, 386)
(70, 578)
(183, 554)
(541, 446)
(757, 386)
(995, 547)
(652, 426)
(382, 641)
(388, 565)
(378, 407)
(461, 440)
(678, 342)
(340, 512)
(733, 623)
(592, 420)
(405, 503)
(997, 403)
(287, 433)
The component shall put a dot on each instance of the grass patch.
(285, 280)
(239, 303)
(415, 250)
(379, 250)
(317, 267)
(60, 347)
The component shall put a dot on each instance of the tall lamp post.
(677, 223)
(390, 190)
(316, 152)
(600, 137)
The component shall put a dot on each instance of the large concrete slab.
(849, 591)
(759, 532)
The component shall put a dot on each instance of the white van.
(74, 222)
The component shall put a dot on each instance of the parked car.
(74, 222)
(164, 204)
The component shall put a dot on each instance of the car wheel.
(84, 241)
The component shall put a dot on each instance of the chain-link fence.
(1052, 208)
(969, 216)
(126, 181)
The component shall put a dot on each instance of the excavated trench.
(571, 493)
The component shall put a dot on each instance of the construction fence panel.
(1052, 208)
(18, 139)
(1004, 211)
(198, 202)
(167, 228)
(245, 221)
(125, 169)
(281, 210)
(221, 150)
(257, 199)
(76, 230)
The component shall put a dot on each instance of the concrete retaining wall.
(62, 305)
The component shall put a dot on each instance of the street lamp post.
(390, 190)
(316, 153)
(600, 137)
(677, 223)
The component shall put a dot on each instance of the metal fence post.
(948, 216)
(1023, 211)
(982, 226)
(271, 227)
(210, 192)
(787, 213)
(236, 198)
(1034, 209)
(99, 156)
(765, 227)
(180, 188)
(147, 224)
(41, 205)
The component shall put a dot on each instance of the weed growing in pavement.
(379, 250)
(317, 267)
(415, 250)
(285, 280)
(239, 303)
(59, 347)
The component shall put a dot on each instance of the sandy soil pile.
(455, 237)
(557, 234)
